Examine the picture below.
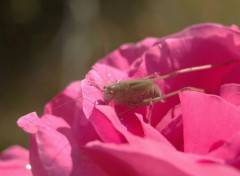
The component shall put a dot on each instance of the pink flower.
(15, 161)
(193, 134)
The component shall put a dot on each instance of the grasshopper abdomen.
(131, 93)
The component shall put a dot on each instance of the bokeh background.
(46, 44)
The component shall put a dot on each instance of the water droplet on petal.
(28, 166)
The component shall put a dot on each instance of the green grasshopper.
(144, 91)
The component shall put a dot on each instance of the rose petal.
(103, 74)
(229, 151)
(104, 127)
(54, 148)
(126, 54)
(112, 130)
(208, 121)
(231, 93)
(171, 126)
(61, 155)
(35, 160)
(152, 133)
(13, 152)
(29, 123)
(67, 104)
(235, 28)
(153, 158)
(15, 161)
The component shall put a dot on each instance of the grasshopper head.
(108, 93)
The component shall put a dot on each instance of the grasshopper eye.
(108, 94)
(108, 89)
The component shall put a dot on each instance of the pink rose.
(190, 134)
(15, 161)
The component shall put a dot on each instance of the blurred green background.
(46, 44)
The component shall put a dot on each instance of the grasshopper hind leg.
(157, 99)
(163, 97)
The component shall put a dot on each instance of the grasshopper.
(144, 91)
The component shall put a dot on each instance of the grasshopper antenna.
(193, 69)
